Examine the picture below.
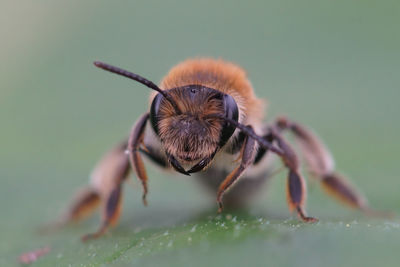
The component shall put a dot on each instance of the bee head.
(189, 135)
(188, 120)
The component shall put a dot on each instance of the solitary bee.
(205, 118)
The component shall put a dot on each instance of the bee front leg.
(247, 156)
(135, 140)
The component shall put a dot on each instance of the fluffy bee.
(204, 117)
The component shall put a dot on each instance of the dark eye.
(154, 109)
(231, 112)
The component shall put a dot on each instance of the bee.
(205, 118)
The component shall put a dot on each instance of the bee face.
(188, 137)
(191, 134)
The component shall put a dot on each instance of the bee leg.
(83, 204)
(104, 189)
(296, 188)
(321, 165)
(106, 180)
(263, 151)
(110, 214)
(135, 140)
(247, 157)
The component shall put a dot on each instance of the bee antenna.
(250, 132)
(137, 78)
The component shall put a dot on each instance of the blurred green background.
(333, 65)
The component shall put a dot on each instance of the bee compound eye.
(232, 112)
(154, 110)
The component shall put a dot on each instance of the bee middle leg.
(321, 165)
(104, 189)
(107, 178)
(296, 188)
(111, 211)
(114, 170)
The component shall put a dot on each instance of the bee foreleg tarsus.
(135, 140)
(247, 157)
